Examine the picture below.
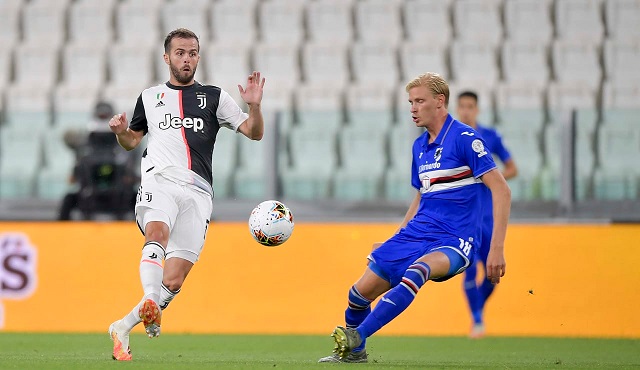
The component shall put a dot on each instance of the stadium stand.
(332, 71)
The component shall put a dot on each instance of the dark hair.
(181, 33)
(468, 94)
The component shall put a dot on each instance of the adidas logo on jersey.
(160, 104)
(197, 124)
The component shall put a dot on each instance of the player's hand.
(252, 94)
(496, 265)
(118, 123)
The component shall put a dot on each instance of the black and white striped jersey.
(182, 123)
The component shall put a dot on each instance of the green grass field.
(93, 351)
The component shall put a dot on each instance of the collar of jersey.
(440, 138)
(171, 86)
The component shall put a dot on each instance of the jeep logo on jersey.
(197, 124)
(17, 268)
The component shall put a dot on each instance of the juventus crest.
(202, 100)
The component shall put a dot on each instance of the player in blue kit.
(477, 294)
(442, 227)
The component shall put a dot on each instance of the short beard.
(177, 75)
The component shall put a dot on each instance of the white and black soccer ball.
(271, 223)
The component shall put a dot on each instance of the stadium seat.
(9, 21)
(375, 63)
(175, 14)
(617, 174)
(225, 65)
(528, 21)
(20, 157)
(313, 161)
(526, 152)
(130, 64)
(123, 97)
(526, 63)
(622, 18)
(281, 21)
(90, 22)
(28, 108)
(620, 97)
(36, 65)
(420, 57)
(585, 163)
(369, 106)
(521, 106)
(5, 66)
(478, 21)
(474, 63)
(427, 20)
(44, 22)
(579, 21)
(397, 177)
(324, 63)
(485, 100)
(73, 105)
(360, 176)
(52, 180)
(329, 21)
(319, 106)
(562, 99)
(83, 65)
(280, 62)
(225, 162)
(621, 60)
(278, 101)
(576, 64)
(233, 21)
(371, 14)
(145, 16)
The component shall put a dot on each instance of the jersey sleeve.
(229, 113)
(415, 178)
(474, 152)
(500, 150)
(139, 119)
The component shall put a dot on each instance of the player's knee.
(416, 276)
(173, 283)
(157, 232)
(357, 301)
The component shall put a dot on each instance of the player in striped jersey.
(181, 118)
(442, 227)
(477, 295)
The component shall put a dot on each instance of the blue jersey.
(447, 173)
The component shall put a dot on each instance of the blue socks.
(358, 310)
(473, 294)
(396, 300)
(476, 295)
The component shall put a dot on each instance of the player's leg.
(439, 264)
(472, 293)
(185, 243)
(369, 287)
(155, 213)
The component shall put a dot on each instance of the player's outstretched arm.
(127, 138)
(501, 194)
(253, 127)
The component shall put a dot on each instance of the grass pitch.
(170, 351)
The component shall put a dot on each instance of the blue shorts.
(392, 259)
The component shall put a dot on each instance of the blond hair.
(434, 82)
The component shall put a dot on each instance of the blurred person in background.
(477, 294)
(88, 144)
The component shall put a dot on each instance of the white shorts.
(184, 208)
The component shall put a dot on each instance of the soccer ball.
(271, 223)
